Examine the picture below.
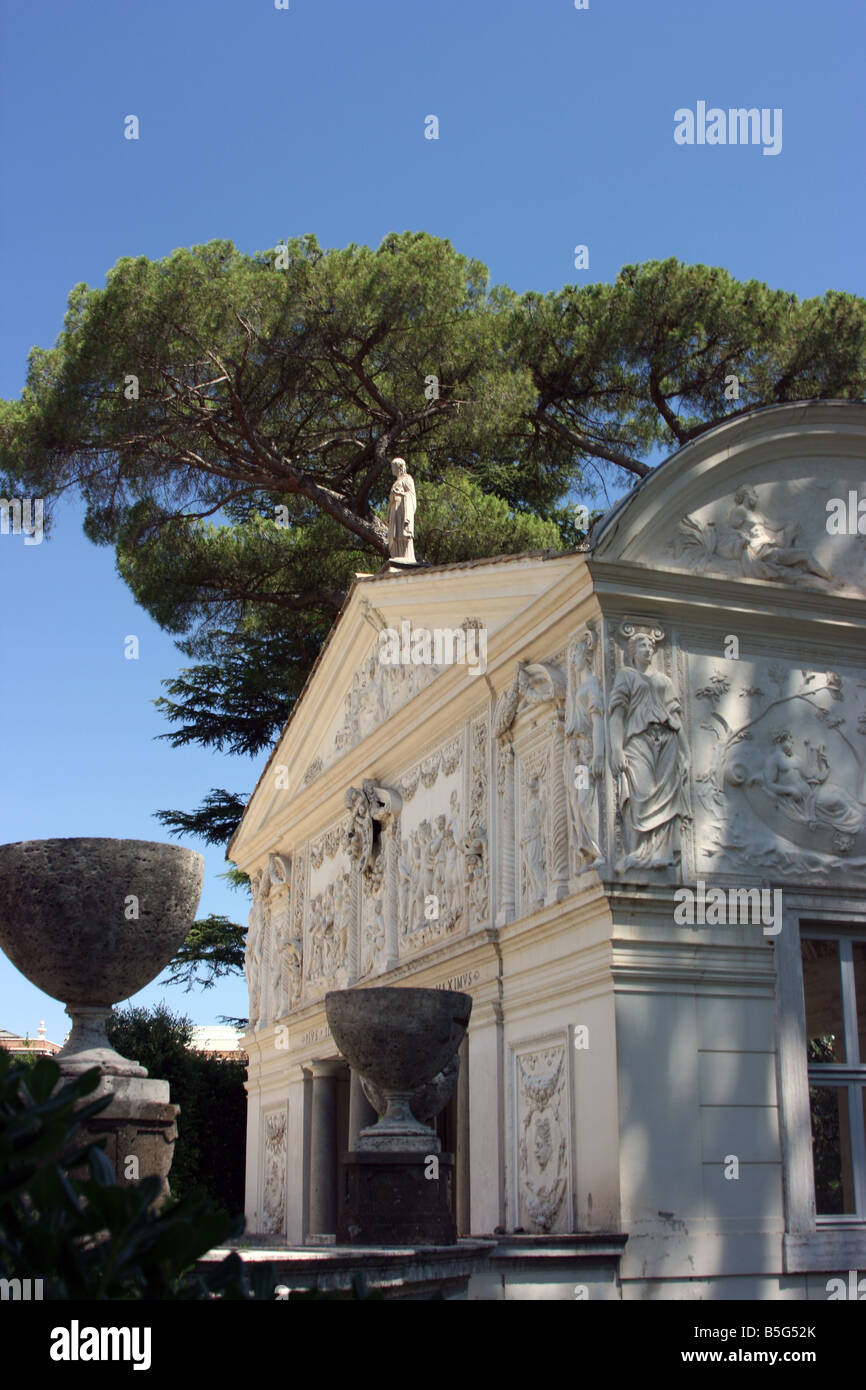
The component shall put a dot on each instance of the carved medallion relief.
(780, 776)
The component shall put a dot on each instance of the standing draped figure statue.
(401, 514)
(649, 758)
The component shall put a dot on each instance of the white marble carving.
(446, 760)
(289, 944)
(506, 813)
(649, 757)
(542, 1140)
(477, 878)
(274, 1183)
(745, 542)
(538, 683)
(530, 710)
(370, 808)
(377, 691)
(299, 898)
(474, 844)
(430, 875)
(327, 844)
(533, 838)
(313, 771)
(254, 946)
(783, 781)
(585, 753)
(401, 514)
(506, 706)
(359, 832)
(328, 932)
(373, 950)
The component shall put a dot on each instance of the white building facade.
(681, 706)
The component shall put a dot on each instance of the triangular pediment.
(397, 635)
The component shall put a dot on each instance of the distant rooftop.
(216, 1037)
(14, 1042)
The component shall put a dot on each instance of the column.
(323, 1149)
(295, 1158)
(505, 786)
(487, 1131)
(463, 1211)
(361, 1112)
(253, 1133)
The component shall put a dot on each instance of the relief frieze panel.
(780, 778)
(543, 1139)
(273, 1221)
(648, 750)
(772, 531)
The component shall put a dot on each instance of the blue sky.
(555, 129)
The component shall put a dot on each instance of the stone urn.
(427, 1100)
(90, 922)
(403, 1043)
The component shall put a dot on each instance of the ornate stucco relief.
(543, 1138)
(648, 751)
(780, 777)
(770, 532)
(274, 1126)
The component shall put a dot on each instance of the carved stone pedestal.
(139, 1123)
(385, 1199)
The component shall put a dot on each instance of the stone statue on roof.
(401, 514)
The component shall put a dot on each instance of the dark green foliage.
(87, 1238)
(215, 944)
(215, 821)
(209, 1153)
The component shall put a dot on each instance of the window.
(834, 990)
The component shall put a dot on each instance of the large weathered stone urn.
(399, 1040)
(397, 1186)
(90, 922)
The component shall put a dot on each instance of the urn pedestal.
(396, 1199)
(397, 1187)
(91, 922)
(139, 1128)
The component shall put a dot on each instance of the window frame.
(810, 1243)
(851, 1074)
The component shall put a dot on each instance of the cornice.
(621, 584)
